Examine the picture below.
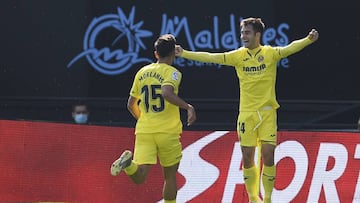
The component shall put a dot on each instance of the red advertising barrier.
(52, 162)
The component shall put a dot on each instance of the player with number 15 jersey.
(157, 114)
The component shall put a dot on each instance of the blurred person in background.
(80, 113)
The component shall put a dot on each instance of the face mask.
(81, 118)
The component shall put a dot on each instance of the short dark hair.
(256, 23)
(165, 45)
(79, 103)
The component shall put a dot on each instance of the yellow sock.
(251, 178)
(130, 170)
(268, 179)
(170, 201)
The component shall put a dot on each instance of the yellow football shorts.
(150, 146)
(254, 126)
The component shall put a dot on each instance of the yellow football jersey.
(256, 70)
(157, 114)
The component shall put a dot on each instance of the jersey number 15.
(152, 96)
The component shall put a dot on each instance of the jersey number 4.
(242, 127)
(152, 96)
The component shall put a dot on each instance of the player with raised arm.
(255, 65)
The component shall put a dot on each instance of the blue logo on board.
(122, 48)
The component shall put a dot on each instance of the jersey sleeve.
(134, 91)
(226, 58)
(173, 78)
(293, 47)
(234, 58)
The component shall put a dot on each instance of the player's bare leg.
(170, 183)
(141, 173)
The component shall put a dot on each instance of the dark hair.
(256, 23)
(79, 103)
(165, 45)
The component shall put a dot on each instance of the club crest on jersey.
(260, 58)
(175, 76)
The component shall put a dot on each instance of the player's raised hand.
(178, 50)
(313, 35)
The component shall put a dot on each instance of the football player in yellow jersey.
(255, 66)
(155, 103)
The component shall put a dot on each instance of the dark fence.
(213, 114)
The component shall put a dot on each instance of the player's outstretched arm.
(206, 57)
(297, 45)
